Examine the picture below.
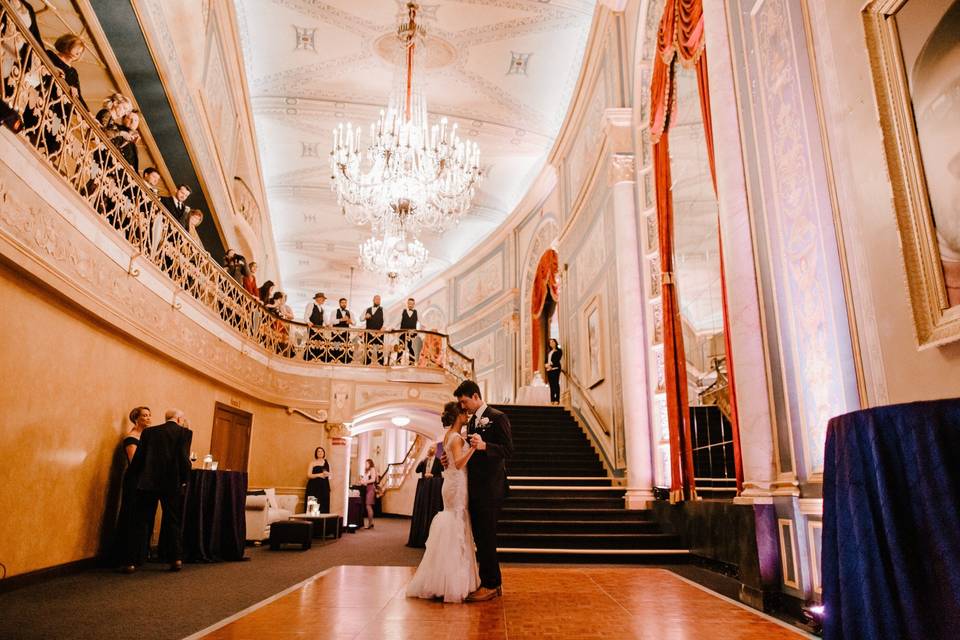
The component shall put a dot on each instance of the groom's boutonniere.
(483, 423)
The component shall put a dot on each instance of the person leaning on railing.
(67, 49)
(15, 56)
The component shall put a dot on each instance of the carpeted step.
(583, 481)
(578, 526)
(589, 540)
(564, 501)
(574, 492)
(572, 513)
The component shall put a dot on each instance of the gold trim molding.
(935, 323)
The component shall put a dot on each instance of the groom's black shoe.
(484, 593)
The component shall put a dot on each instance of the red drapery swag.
(680, 39)
(544, 280)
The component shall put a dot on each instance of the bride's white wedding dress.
(449, 565)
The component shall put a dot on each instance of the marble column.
(630, 301)
(742, 302)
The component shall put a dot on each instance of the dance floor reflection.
(565, 602)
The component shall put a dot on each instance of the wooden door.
(230, 442)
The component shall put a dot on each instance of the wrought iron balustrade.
(61, 130)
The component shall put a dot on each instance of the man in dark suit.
(373, 318)
(408, 320)
(490, 433)
(430, 466)
(177, 205)
(162, 468)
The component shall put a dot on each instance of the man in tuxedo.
(313, 317)
(489, 432)
(430, 466)
(177, 205)
(373, 319)
(343, 320)
(161, 466)
(408, 320)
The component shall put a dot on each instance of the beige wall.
(69, 383)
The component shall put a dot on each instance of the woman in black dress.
(369, 481)
(318, 484)
(140, 417)
(552, 365)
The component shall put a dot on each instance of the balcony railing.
(64, 133)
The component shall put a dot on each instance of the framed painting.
(593, 343)
(915, 60)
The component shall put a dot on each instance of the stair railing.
(396, 473)
(61, 130)
(585, 398)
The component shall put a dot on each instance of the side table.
(325, 525)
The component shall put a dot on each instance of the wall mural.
(482, 283)
(593, 331)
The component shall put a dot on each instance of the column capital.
(621, 169)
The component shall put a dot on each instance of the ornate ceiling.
(505, 70)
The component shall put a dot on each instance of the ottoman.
(291, 532)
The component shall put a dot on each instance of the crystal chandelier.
(393, 254)
(422, 175)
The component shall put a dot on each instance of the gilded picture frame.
(936, 322)
(592, 330)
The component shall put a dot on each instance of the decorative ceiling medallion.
(518, 63)
(309, 149)
(306, 38)
(436, 53)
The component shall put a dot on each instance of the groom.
(488, 431)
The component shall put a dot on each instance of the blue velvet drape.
(891, 523)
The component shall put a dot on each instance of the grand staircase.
(562, 505)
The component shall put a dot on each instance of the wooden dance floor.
(538, 603)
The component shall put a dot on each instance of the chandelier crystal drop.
(393, 254)
(424, 176)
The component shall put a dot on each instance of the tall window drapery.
(544, 281)
(680, 39)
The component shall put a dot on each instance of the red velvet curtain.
(544, 280)
(681, 39)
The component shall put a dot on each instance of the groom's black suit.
(487, 487)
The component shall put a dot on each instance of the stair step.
(552, 491)
(572, 481)
(564, 501)
(592, 527)
(589, 540)
(573, 514)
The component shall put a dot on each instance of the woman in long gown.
(140, 417)
(318, 484)
(448, 569)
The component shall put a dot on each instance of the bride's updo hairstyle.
(450, 412)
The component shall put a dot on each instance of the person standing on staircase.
(552, 365)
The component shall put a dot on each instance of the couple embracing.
(464, 534)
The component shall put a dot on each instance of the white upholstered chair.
(262, 510)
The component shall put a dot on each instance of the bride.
(448, 569)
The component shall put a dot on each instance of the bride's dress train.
(449, 565)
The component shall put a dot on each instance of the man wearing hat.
(314, 316)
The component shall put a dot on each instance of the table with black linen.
(891, 523)
(214, 521)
